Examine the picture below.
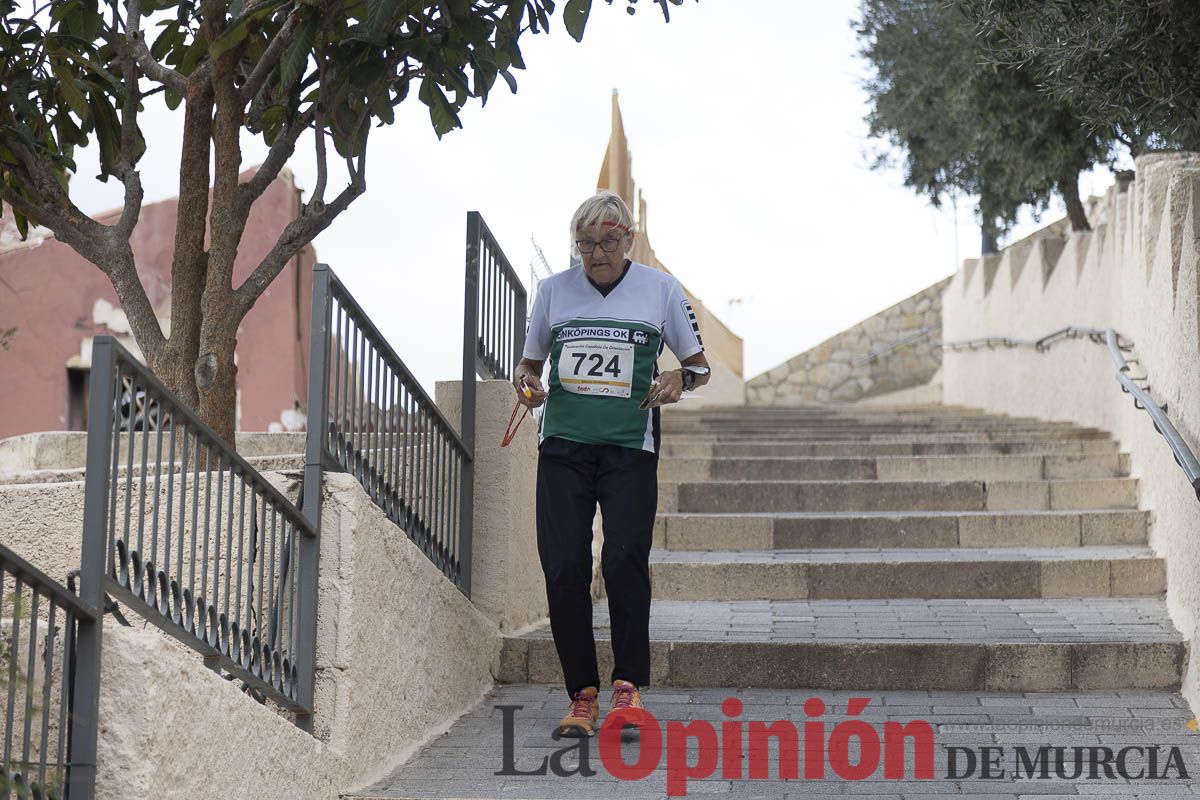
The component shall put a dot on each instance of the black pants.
(572, 478)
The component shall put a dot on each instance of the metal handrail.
(495, 310)
(36, 685)
(377, 340)
(370, 417)
(1180, 449)
(220, 518)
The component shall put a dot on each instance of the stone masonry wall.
(835, 370)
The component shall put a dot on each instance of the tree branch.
(300, 232)
(91, 242)
(227, 216)
(159, 73)
(269, 59)
(281, 151)
(39, 215)
(132, 295)
(318, 195)
(129, 130)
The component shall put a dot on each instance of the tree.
(77, 71)
(964, 125)
(1126, 67)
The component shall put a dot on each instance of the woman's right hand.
(537, 395)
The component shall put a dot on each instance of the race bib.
(597, 368)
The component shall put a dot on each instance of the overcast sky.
(746, 124)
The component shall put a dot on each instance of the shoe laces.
(623, 696)
(582, 704)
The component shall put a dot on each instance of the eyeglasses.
(608, 245)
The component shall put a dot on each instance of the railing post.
(85, 691)
(309, 547)
(521, 305)
(467, 423)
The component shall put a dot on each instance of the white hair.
(603, 208)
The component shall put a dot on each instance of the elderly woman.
(603, 325)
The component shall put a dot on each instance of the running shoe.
(580, 721)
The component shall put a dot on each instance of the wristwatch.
(689, 373)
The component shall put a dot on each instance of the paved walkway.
(1088, 619)
(463, 762)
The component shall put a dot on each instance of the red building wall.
(49, 294)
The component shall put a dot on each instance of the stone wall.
(836, 370)
(1135, 272)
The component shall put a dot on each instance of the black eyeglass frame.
(587, 246)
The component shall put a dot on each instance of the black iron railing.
(369, 416)
(38, 622)
(1182, 453)
(185, 532)
(495, 308)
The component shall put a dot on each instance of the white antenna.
(539, 267)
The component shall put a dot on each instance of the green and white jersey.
(603, 352)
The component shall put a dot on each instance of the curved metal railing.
(1183, 454)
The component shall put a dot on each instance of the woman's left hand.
(667, 389)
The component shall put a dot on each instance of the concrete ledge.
(933, 495)
(748, 531)
(939, 666)
(688, 448)
(887, 575)
(67, 450)
(998, 467)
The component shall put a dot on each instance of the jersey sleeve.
(538, 337)
(681, 332)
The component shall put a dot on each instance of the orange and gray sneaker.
(580, 721)
(627, 699)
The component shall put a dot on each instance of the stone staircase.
(953, 566)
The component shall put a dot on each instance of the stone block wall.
(837, 370)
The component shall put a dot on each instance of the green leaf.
(510, 80)
(70, 89)
(379, 14)
(575, 17)
(440, 113)
(231, 38)
(166, 40)
(295, 58)
(108, 132)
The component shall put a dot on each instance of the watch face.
(698, 370)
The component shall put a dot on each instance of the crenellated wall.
(1136, 272)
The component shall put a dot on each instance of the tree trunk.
(216, 380)
(988, 241)
(1069, 189)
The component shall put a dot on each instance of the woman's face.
(600, 265)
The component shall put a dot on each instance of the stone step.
(464, 761)
(962, 645)
(978, 467)
(67, 450)
(916, 572)
(901, 436)
(675, 531)
(684, 449)
(42, 476)
(735, 496)
(784, 428)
